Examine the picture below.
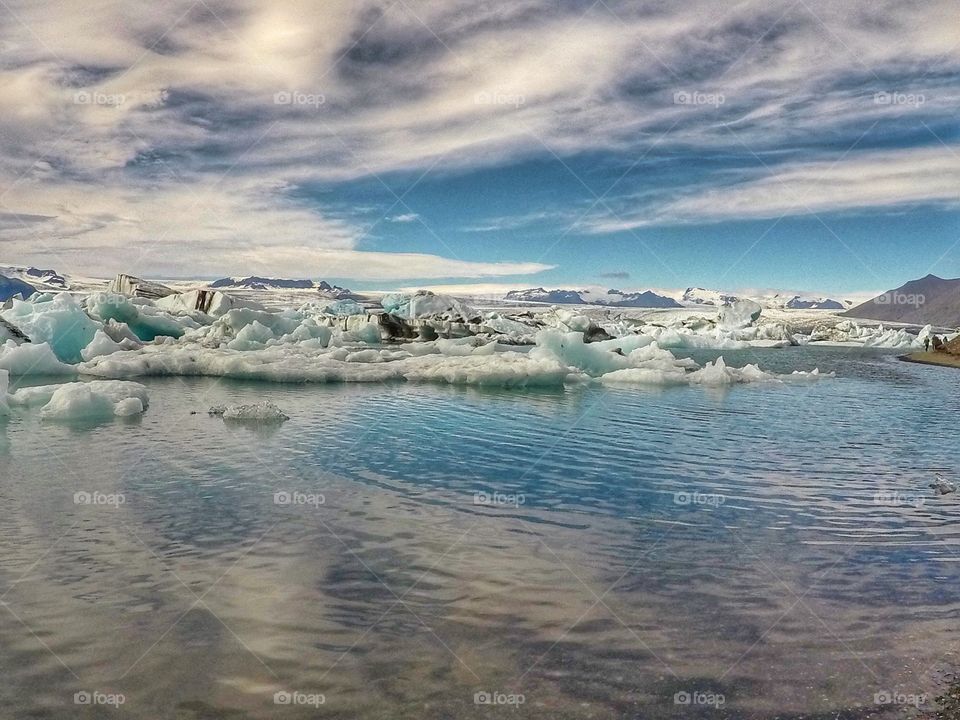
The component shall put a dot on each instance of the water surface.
(775, 546)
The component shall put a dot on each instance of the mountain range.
(610, 298)
(690, 297)
(255, 282)
(930, 299)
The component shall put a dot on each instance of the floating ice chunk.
(565, 320)
(465, 346)
(57, 320)
(426, 304)
(32, 359)
(594, 358)
(646, 376)
(113, 390)
(279, 323)
(367, 333)
(102, 344)
(251, 337)
(129, 406)
(145, 320)
(258, 412)
(196, 303)
(509, 369)
(717, 373)
(342, 308)
(740, 314)
(510, 327)
(91, 401)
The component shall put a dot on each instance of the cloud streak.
(198, 126)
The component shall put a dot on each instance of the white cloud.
(193, 151)
(876, 180)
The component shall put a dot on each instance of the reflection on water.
(393, 551)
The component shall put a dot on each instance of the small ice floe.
(95, 401)
(261, 412)
(942, 485)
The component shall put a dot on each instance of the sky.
(804, 144)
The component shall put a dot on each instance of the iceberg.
(57, 320)
(342, 308)
(740, 314)
(424, 304)
(258, 412)
(144, 319)
(138, 287)
(94, 401)
(104, 344)
(32, 359)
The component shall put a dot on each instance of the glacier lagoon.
(407, 550)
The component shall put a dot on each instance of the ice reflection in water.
(638, 545)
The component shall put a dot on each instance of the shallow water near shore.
(411, 551)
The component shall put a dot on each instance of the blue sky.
(808, 145)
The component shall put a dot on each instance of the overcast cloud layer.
(181, 138)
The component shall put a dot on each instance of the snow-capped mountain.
(539, 295)
(702, 296)
(777, 301)
(260, 283)
(617, 298)
(609, 298)
(799, 303)
(255, 282)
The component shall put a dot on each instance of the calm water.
(640, 543)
